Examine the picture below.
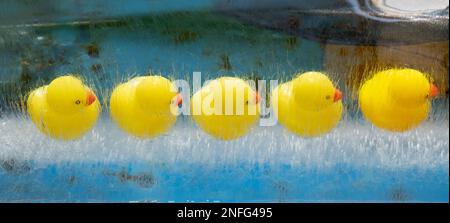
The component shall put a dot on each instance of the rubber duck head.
(314, 91)
(67, 94)
(410, 87)
(234, 92)
(156, 94)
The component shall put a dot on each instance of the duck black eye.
(77, 102)
(328, 97)
(246, 102)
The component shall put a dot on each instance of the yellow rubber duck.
(226, 108)
(309, 105)
(65, 109)
(146, 106)
(397, 99)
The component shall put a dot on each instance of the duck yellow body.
(309, 105)
(145, 107)
(226, 108)
(397, 99)
(65, 109)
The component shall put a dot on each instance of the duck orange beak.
(179, 100)
(90, 98)
(337, 95)
(257, 98)
(434, 91)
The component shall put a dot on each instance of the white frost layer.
(355, 143)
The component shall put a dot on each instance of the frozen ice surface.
(355, 162)
(352, 142)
